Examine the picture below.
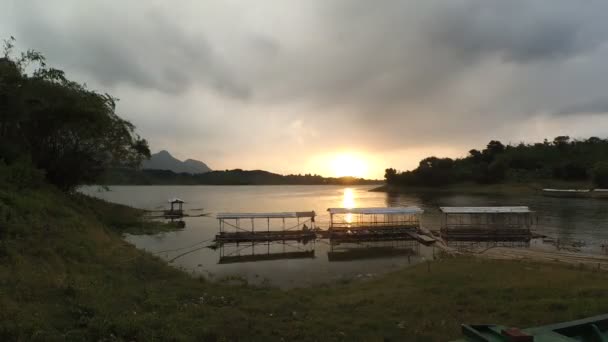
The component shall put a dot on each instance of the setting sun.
(349, 165)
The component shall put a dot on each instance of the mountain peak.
(163, 160)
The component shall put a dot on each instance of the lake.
(578, 221)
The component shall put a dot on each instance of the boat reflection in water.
(350, 251)
(483, 244)
(264, 251)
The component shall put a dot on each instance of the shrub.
(20, 175)
(600, 174)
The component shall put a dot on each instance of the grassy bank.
(529, 188)
(66, 274)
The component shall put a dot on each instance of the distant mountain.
(163, 160)
(124, 176)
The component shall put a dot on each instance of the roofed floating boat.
(275, 226)
(373, 224)
(501, 223)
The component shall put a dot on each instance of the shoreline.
(97, 286)
(530, 188)
(465, 188)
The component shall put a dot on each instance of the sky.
(332, 87)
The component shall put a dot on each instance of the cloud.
(131, 45)
(594, 106)
(259, 85)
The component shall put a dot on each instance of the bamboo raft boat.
(486, 223)
(374, 224)
(279, 226)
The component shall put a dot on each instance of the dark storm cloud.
(376, 56)
(380, 75)
(521, 32)
(599, 105)
(143, 48)
(386, 55)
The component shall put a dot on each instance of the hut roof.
(290, 214)
(379, 211)
(176, 200)
(485, 210)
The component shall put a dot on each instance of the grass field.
(66, 274)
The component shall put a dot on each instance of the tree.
(494, 147)
(561, 141)
(497, 171)
(475, 154)
(600, 174)
(435, 171)
(390, 175)
(570, 170)
(67, 130)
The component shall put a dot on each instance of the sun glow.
(349, 165)
(348, 201)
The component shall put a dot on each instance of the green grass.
(66, 274)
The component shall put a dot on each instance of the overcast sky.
(287, 86)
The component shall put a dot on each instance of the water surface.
(579, 220)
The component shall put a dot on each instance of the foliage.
(563, 159)
(600, 174)
(21, 175)
(70, 132)
(118, 176)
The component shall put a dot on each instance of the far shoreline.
(513, 189)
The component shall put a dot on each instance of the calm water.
(582, 221)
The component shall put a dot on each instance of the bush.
(600, 174)
(65, 129)
(20, 175)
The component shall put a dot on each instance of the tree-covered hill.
(561, 159)
(163, 160)
(131, 176)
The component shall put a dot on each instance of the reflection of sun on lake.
(348, 201)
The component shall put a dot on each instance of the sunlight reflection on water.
(348, 201)
(567, 219)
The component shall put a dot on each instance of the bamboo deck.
(372, 234)
(281, 235)
(472, 234)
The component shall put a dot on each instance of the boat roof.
(379, 211)
(485, 210)
(287, 214)
(566, 190)
(176, 200)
